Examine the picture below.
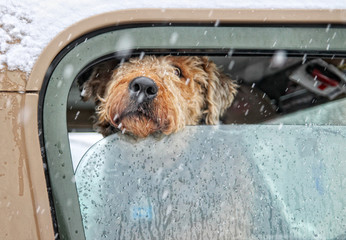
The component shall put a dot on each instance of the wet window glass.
(256, 149)
(230, 182)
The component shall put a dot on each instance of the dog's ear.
(93, 83)
(220, 92)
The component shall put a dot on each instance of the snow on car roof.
(27, 26)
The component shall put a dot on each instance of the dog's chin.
(139, 125)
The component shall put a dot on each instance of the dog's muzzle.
(143, 89)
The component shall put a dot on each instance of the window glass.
(255, 181)
(214, 164)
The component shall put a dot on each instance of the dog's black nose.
(143, 89)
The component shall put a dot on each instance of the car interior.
(271, 87)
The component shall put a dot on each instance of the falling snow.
(77, 114)
(115, 117)
(174, 38)
(124, 44)
(187, 81)
(68, 71)
(279, 59)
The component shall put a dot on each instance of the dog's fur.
(190, 90)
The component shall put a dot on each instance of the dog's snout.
(143, 89)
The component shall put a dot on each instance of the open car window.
(232, 180)
(275, 157)
(275, 89)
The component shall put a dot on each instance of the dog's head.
(160, 94)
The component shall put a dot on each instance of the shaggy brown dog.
(158, 94)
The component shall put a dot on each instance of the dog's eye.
(177, 71)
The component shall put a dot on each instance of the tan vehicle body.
(24, 203)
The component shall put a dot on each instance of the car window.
(278, 121)
(231, 173)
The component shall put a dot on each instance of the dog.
(157, 94)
